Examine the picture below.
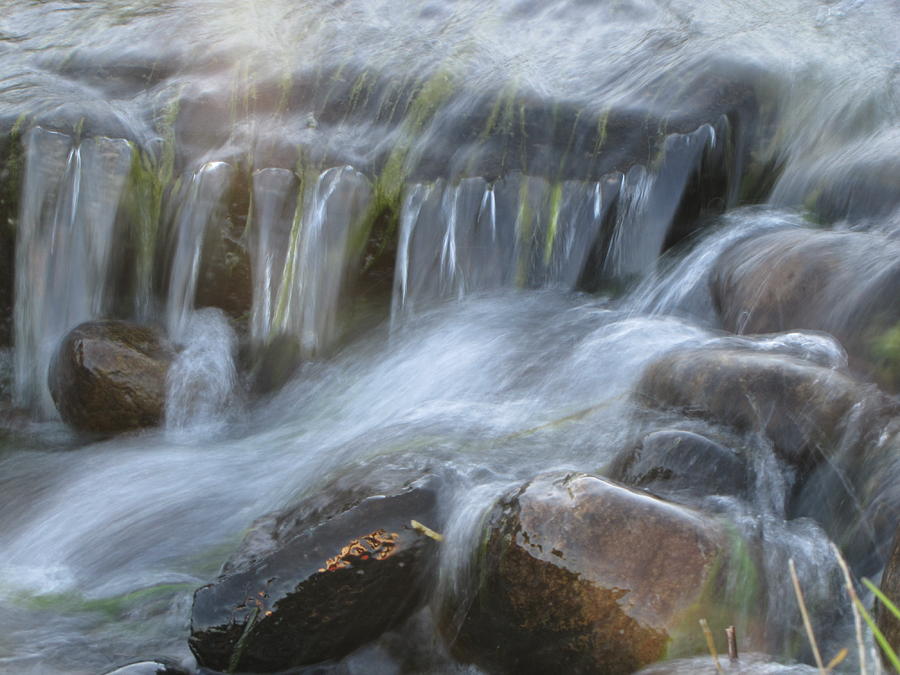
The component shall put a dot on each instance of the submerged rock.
(154, 667)
(314, 593)
(578, 574)
(671, 460)
(110, 376)
(890, 586)
(804, 409)
(844, 283)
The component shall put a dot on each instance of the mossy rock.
(580, 575)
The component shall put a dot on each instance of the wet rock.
(11, 170)
(672, 461)
(890, 586)
(804, 409)
(844, 283)
(306, 595)
(855, 182)
(224, 278)
(578, 574)
(110, 376)
(154, 667)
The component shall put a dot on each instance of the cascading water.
(70, 199)
(469, 241)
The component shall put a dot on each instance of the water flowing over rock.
(317, 593)
(803, 408)
(70, 198)
(844, 283)
(890, 586)
(110, 376)
(681, 461)
(579, 573)
(155, 667)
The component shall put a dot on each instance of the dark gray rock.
(672, 461)
(304, 595)
(804, 409)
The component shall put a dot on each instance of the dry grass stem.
(711, 645)
(854, 600)
(806, 622)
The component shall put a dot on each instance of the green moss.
(731, 596)
(359, 92)
(111, 607)
(524, 232)
(885, 351)
(388, 187)
(553, 225)
(285, 289)
(602, 123)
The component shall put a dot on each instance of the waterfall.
(201, 209)
(521, 231)
(323, 253)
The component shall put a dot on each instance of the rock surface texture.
(890, 586)
(110, 376)
(804, 409)
(580, 575)
(320, 593)
(843, 283)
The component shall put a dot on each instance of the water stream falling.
(389, 238)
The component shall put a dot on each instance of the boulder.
(110, 376)
(890, 586)
(577, 574)
(300, 594)
(673, 461)
(843, 283)
(804, 409)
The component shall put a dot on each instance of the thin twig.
(806, 622)
(857, 619)
(837, 660)
(731, 638)
(711, 645)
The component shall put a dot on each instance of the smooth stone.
(300, 594)
(578, 574)
(110, 376)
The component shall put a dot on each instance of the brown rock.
(803, 408)
(110, 376)
(843, 283)
(578, 574)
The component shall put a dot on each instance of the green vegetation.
(885, 349)
(112, 608)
